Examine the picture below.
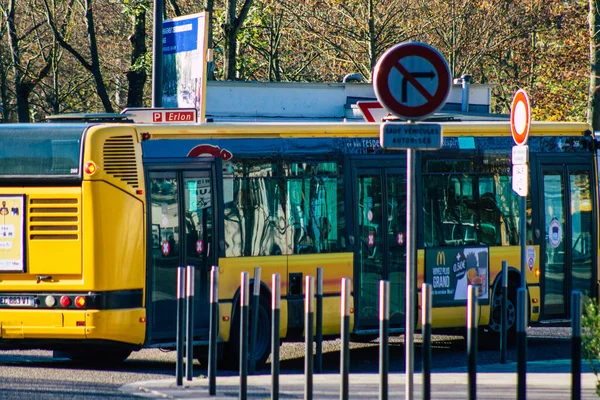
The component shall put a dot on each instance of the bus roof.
(267, 129)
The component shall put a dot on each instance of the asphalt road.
(36, 375)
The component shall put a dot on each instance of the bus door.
(379, 241)
(567, 237)
(183, 233)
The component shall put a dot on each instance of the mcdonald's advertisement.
(11, 233)
(450, 270)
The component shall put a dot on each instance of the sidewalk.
(545, 380)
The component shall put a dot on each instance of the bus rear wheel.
(262, 342)
(105, 357)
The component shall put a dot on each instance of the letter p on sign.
(157, 116)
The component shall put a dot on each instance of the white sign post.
(411, 80)
(520, 120)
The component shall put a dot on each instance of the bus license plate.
(17, 301)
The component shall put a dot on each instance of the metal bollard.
(319, 316)
(180, 325)
(213, 329)
(426, 298)
(521, 344)
(504, 320)
(309, 300)
(275, 320)
(345, 336)
(244, 305)
(189, 337)
(384, 331)
(472, 320)
(576, 311)
(255, 306)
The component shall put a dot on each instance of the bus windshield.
(34, 151)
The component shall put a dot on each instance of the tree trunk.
(209, 7)
(231, 28)
(101, 87)
(230, 43)
(594, 96)
(137, 73)
(21, 90)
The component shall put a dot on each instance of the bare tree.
(24, 79)
(593, 114)
(137, 74)
(231, 29)
(93, 66)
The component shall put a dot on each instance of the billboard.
(450, 270)
(185, 41)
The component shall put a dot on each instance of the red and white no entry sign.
(412, 80)
(520, 117)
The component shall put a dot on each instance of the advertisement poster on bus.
(185, 42)
(450, 270)
(12, 224)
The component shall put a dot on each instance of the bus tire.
(491, 337)
(262, 344)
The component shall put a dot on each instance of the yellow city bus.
(98, 215)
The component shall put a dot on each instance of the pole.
(523, 238)
(411, 243)
(244, 305)
(426, 297)
(521, 345)
(157, 55)
(180, 327)
(275, 320)
(384, 330)
(189, 346)
(308, 334)
(255, 306)
(345, 336)
(319, 316)
(213, 329)
(504, 321)
(472, 340)
(576, 345)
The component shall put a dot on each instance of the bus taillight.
(80, 301)
(65, 301)
(90, 168)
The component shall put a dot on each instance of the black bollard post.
(275, 309)
(384, 331)
(189, 323)
(521, 344)
(472, 320)
(504, 320)
(180, 325)
(426, 298)
(213, 331)
(309, 315)
(255, 305)
(319, 317)
(345, 336)
(576, 311)
(244, 305)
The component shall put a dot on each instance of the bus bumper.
(126, 326)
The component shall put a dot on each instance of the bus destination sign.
(398, 135)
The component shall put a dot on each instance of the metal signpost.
(520, 120)
(411, 80)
